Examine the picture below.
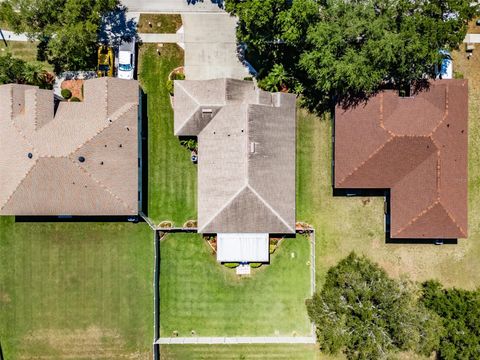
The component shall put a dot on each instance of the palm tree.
(33, 73)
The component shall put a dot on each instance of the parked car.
(126, 60)
(105, 62)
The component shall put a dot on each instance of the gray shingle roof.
(246, 168)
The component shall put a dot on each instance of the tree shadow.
(115, 28)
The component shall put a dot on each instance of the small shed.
(242, 247)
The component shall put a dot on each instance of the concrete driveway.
(210, 46)
(174, 6)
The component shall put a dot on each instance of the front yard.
(198, 294)
(75, 290)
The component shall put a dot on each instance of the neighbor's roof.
(40, 151)
(417, 147)
(246, 168)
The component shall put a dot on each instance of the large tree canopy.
(367, 315)
(67, 29)
(460, 312)
(343, 51)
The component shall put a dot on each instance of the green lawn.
(25, 50)
(159, 23)
(196, 293)
(236, 352)
(75, 290)
(172, 185)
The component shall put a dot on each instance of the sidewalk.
(237, 340)
(10, 36)
(161, 38)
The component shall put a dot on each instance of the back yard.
(197, 293)
(75, 290)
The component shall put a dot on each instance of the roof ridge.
(270, 208)
(366, 160)
(115, 116)
(452, 218)
(19, 184)
(382, 125)
(194, 100)
(445, 114)
(415, 218)
(100, 184)
(223, 207)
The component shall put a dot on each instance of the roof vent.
(30, 155)
(81, 159)
(252, 147)
(207, 111)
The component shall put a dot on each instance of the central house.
(246, 162)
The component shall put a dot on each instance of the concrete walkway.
(161, 38)
(472, 39)
(10, 36)
(237, 340)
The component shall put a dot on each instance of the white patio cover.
(246, 247)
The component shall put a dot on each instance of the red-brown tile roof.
(417, 147)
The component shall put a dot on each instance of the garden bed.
(75, 87)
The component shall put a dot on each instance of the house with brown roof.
(416, 147)
(246, 155)
(80, 159)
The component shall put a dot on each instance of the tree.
(460, 313)
(343, 52)
(13, 70)
(367, 315)
(67, 29)
(358, 48)
(274, 31)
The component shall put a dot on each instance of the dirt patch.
(4, 298)
(75, 86)
(90, 343)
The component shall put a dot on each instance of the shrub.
(190, 144)
(66, 94)
(255, 265)
(178, 76)
(74, 99)
(231, 265)
(170, 86)
(273, 247)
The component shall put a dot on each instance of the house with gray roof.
(80, 159)
(246, 155)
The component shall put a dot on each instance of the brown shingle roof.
(40, 152)
(246, 166)
(415, 146)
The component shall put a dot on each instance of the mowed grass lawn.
(345, 224)
(25, 50)
(172, 185)
(197, 293)
(75, 290)
(236, 352)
